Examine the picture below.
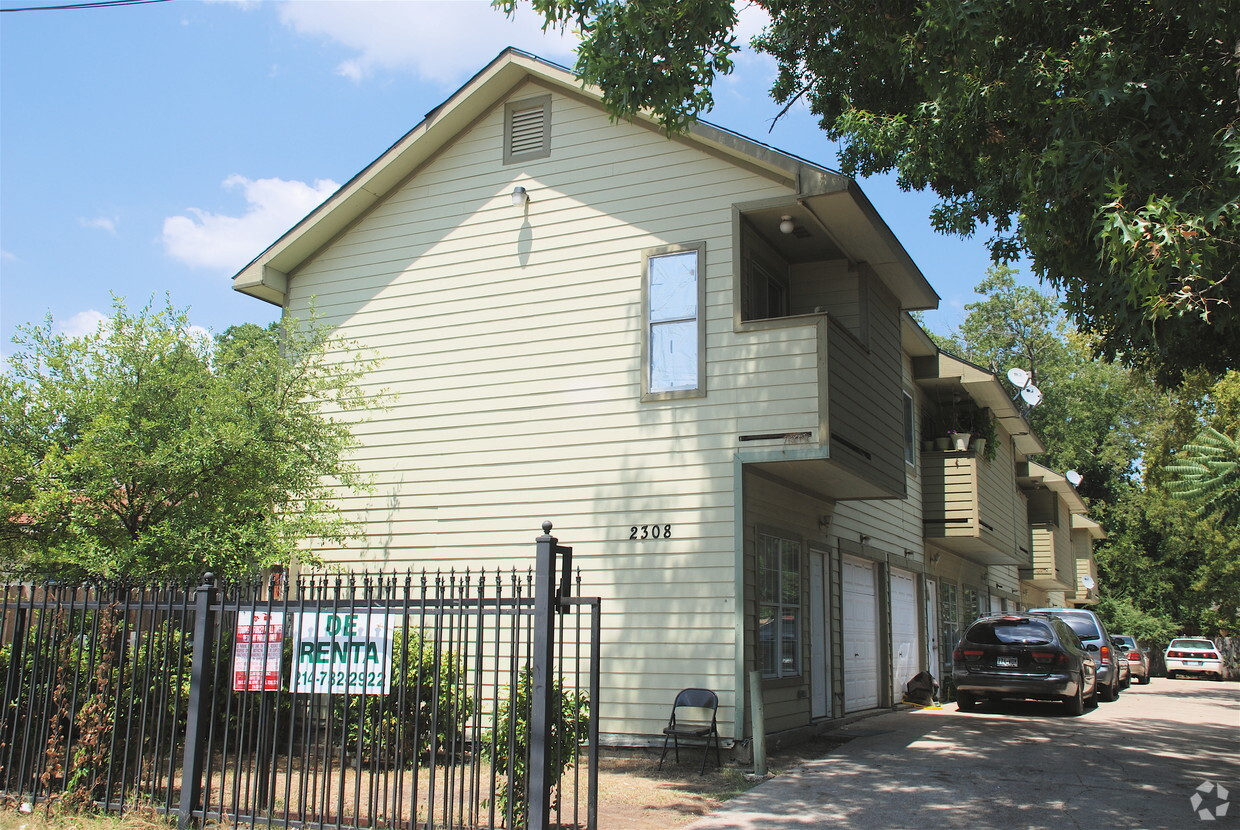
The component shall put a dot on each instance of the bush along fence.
(458, 700)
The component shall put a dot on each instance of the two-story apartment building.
(690, 353)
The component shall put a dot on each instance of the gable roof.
(837, 199)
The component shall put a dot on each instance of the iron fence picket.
(414, 757)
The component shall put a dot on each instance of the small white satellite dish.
(1074, 478)
(1018, 377)
(1088, 582)
(1032, 395)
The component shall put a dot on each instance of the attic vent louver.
(527, 129)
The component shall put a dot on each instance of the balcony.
(818, 291)
(972, 508)
(1054, 565)
(826, 413)
(1085, 532)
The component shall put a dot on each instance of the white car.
(1191, 655)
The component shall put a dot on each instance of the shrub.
(429, 687)
(507, 745)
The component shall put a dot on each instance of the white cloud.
(8, 256)
(82, 323)
(213, 240)
(103, 223)
(443, 41)
(751, 19)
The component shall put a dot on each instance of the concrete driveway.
(1136, 762)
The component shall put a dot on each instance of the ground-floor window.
(779, 606)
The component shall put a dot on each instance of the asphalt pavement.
(1165, 755)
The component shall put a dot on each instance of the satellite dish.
(1074, 478)
(1032, 395)
(1088, 582)
(1018, 377)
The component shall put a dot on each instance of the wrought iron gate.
(445, 700)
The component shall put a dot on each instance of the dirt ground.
(635, 795)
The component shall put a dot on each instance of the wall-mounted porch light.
(519, 196)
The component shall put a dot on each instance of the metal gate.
(445, 700)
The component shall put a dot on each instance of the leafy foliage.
(146, 449)
(1100, 139)
(426, 712)
(1208, 472)
(507, 745)
(1164, 569)
(661, 54)
(1122, 616)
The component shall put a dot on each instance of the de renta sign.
(346, 652)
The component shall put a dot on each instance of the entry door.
(861, 645)
(905, 631)
(819, 636)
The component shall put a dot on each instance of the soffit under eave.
(866, 237)
(943, 375)
(1054, 481)
(914, 340)
(1084, 523)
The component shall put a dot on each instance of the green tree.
(1208, 472)
(147, 449)
(1087, 417)
(1164, 568)
(1100, 139)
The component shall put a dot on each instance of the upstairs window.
(673, 344)
(527, 129)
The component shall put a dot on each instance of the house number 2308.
(650, 532)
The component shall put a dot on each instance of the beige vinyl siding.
(866, 408)
(510, 339)
(1004, 578)
(893, 524)
(832, 286)
(1053, 558)
(773, 369)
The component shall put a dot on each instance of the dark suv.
(1094, 636)
(1023, 656)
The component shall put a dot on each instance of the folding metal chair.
(699, 723)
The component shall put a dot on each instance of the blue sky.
(157, 148)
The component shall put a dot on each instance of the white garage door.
(861, 649)
(905, 631)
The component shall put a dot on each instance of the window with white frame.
(673, 343)
(779, 606)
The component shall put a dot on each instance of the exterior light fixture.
(786, 225)
(519, 196)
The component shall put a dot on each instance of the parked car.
(1138, 658)
(1023, 656)
(1097, 642)
(1121, 663)
(1193, 655)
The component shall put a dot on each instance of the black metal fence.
(446, 700)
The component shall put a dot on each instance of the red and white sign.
(256, 651)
